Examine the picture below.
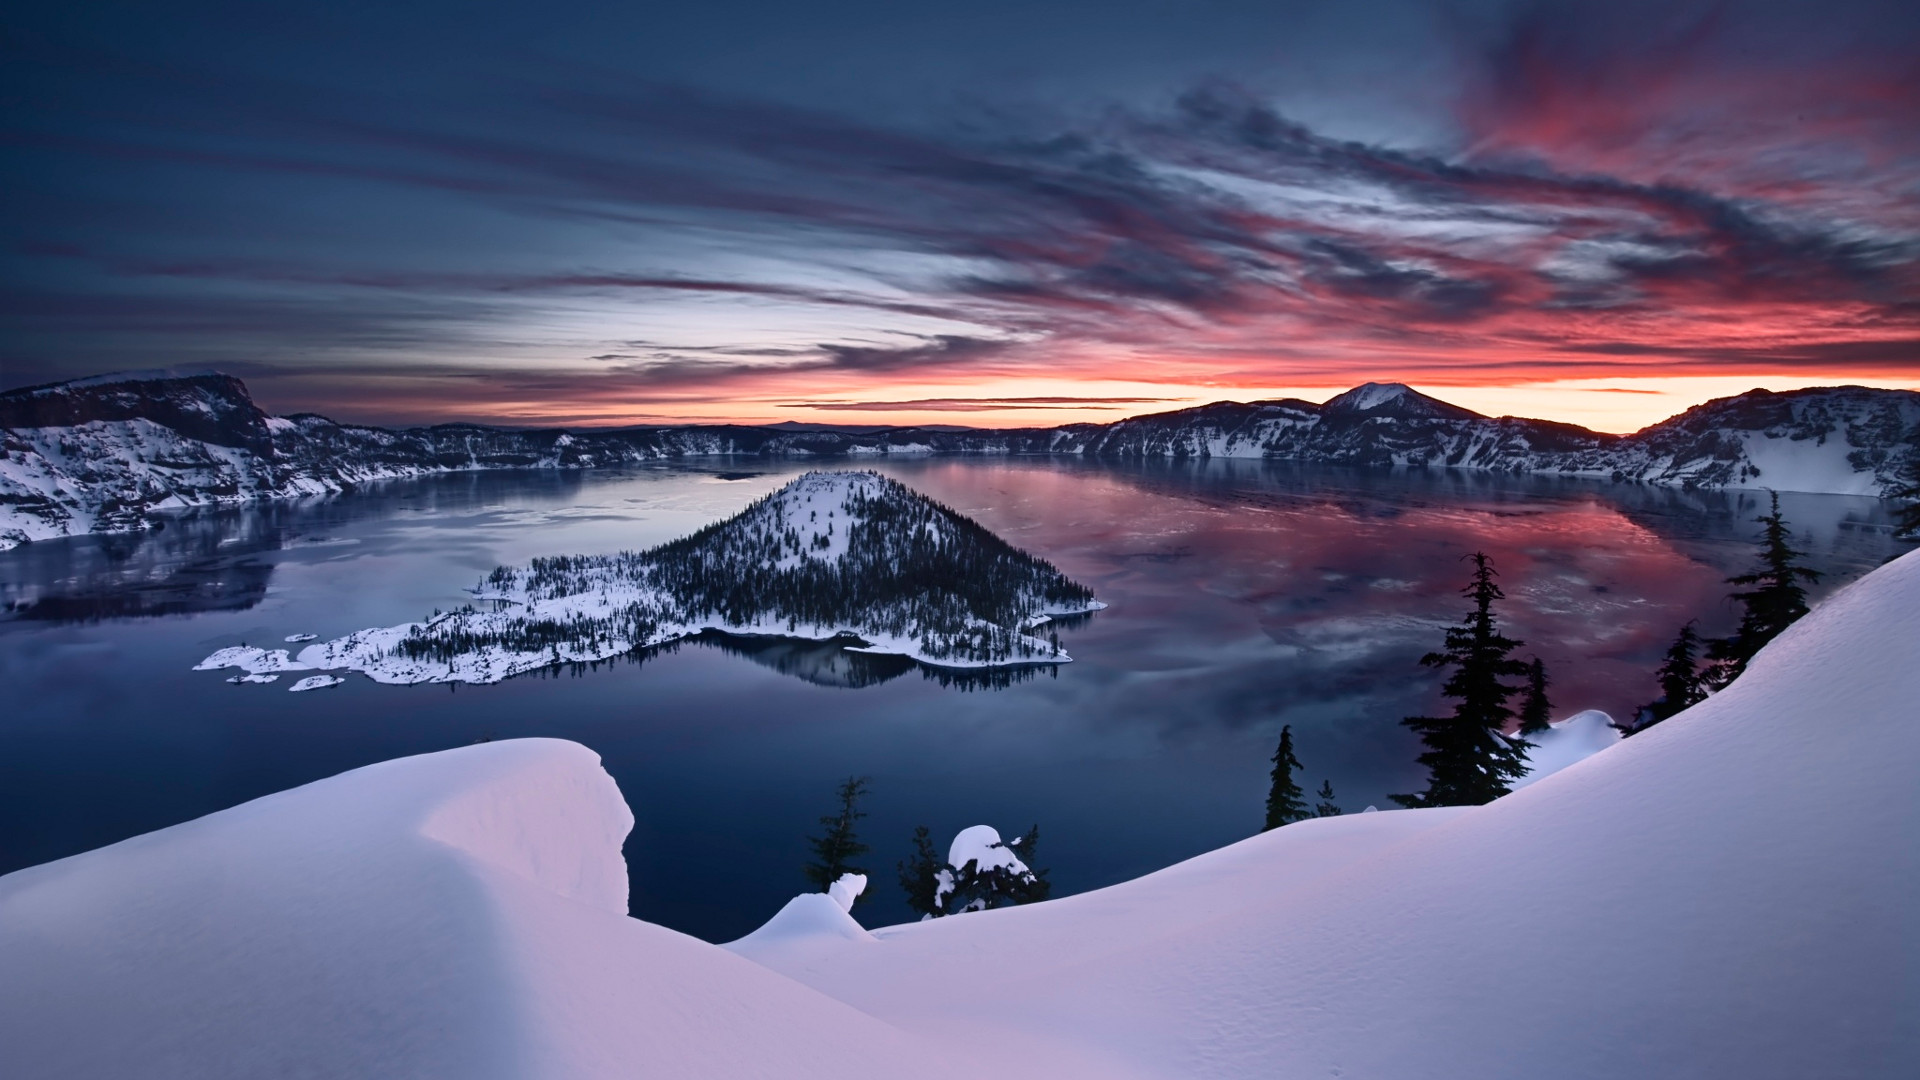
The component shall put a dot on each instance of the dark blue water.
(1244, 596)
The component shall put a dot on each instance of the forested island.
(851, 556)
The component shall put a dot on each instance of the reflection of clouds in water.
(1355, 639)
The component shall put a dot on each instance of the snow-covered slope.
(1727, 894)
(110, 453)
(832, 555)
(458, 915)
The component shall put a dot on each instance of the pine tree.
(920, 875)
(1536, 712)
(1680, 681)
(1774, 602)
(1285, 801)
(1326, 807)
(836, 849)
(1469, 759)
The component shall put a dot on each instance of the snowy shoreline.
(848, 534)
(365, 651)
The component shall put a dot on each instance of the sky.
(993, 214)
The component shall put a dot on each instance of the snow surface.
(1566, 742)
(316, 682)
(459, 915)
(1822, 466)
(981, 844)
(846, 889)
(1729, 894)
(1369, 396)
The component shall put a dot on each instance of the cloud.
(1663, 188)
(983, 404)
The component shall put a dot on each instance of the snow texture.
(458, 915)
(1566, 742)
(846, 889)
(1729, 893)
(316, 682)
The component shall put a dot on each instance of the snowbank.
(1727, 894)
(460, 914)
(1567, 742)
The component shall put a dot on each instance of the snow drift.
(460, 914)
(1727, 894)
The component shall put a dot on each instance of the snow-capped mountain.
(108, 454)
(833, 555)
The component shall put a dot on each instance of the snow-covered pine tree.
(1680, 681)
(1326, 807)
(1285, 801)
(835, 850)
(1469, 759)
(1773, 603)
(1536, 712)
(1017, 881)
(920, 875)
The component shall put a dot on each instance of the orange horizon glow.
(1618, 404)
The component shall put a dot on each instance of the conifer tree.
(920, 875)
(1680, 681)
(1469, 759)
(1326, 807)
(835, 850)
(1285, 801)
(1773, 603)
(1536, 712)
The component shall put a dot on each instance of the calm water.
(1244, 596)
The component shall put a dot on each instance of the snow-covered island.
(1729, 894)
(850, 556)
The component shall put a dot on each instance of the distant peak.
(1368, 396)
(1396, 400)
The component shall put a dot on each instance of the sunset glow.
(1557, 211)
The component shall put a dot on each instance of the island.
(850, 557)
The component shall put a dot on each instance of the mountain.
(847, 557)
(1726, 895)
(116, 453)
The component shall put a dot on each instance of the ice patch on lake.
(316, 682)
(298, 638)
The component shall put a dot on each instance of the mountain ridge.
(112, 453)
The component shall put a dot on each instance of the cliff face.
(105, 454)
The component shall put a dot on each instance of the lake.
(1244, 595)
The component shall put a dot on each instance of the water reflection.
(1245, 595)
